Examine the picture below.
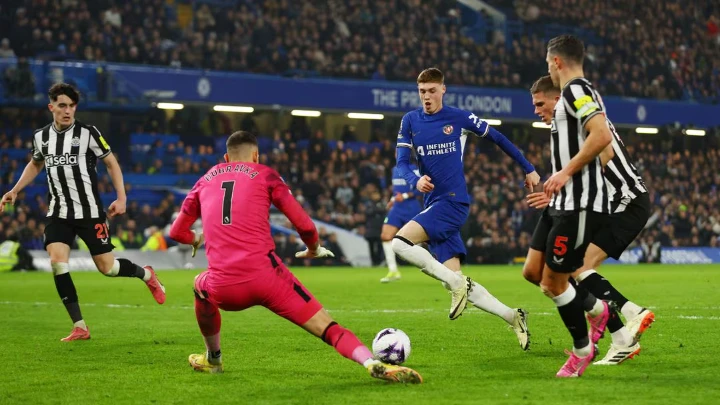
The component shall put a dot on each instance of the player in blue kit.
(404, 206)
(438, 135)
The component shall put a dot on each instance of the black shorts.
(565, 238)
(93, 231)
(542, 229)
(623, 227)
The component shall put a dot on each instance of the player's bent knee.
(532, 273)
(399, 244)
(547, 290)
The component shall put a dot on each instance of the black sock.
(602, 289)
(68, 295)
(573, 316)
(614, 322)
(215, 355)
(130, 269)
(587, 299)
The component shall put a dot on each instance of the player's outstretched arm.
(510, 149)
(117, 207)
(32, 169)
(180, 232)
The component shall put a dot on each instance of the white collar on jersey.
(64, 130)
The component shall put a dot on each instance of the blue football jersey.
(439, 143)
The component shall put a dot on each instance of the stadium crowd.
(350, 189)
(665, 50)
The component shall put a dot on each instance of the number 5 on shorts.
(560, 245)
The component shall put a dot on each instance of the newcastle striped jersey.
(623, 180)
(586, 189)
(70, 158)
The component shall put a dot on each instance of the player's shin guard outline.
(422, 259)
(345, 343)
(208, 317)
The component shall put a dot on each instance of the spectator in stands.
(5, 50)
(650, 250)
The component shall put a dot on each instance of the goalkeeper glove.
(320, 252)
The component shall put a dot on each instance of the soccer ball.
(391, 346)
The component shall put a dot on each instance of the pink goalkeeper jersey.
(233, 200)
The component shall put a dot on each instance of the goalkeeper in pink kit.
(233, 199)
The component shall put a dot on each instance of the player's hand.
(199, 240)
(8, 198)
(424, 185)
(555, 183)
(532, 180)
(390, 203)
(538, 200)
(318, 253)
(116, 208)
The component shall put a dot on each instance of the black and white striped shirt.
(623, 179)
(70, 159)
(586, 189)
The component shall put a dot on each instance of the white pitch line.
(353, 311)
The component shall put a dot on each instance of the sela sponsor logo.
(61, 160)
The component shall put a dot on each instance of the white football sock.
(621, 337)
(80, 324)
(422, 259)
(583, 351)
(630, 310)
(369, 362)
(597, 308)
(390, 256)
(59, 268)
(114, 270)
(481, 298)
(566, 297)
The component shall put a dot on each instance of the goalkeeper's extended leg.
(349, 346)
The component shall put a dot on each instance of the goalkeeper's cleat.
(618, 354)
(598, 323)
(519, 326)
(156, 287)
(199, 362)
(575, 366)
(393, 373)
(640, 323)
(77, 334)
(391, 276)
(459, 299)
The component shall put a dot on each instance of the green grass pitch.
(138, 351)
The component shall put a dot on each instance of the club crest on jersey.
(447, 129)
(75, 142)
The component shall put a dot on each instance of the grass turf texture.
(138, 351)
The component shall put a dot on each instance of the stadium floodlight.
(365, 116)
(646, 130)
(233, 108)
(492, 121)
(694, 132)
(170, 106)
(305, 113)
(541, 125)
